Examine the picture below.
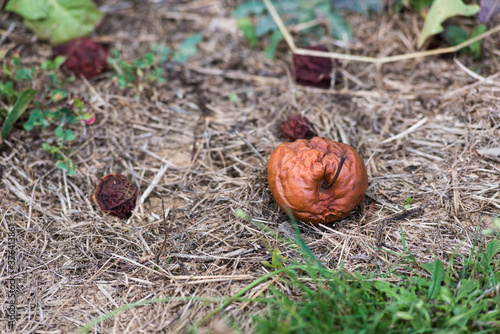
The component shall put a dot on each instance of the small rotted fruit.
(313, 71)
(297, 127)
(319, 180)
(116, 195)
(83, 56)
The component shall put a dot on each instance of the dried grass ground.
(416, 123)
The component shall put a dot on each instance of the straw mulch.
(418, 124)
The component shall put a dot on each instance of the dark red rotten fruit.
(83, 56)
(313, 71)
(116, 195)
(297, 127)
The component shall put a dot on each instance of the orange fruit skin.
(299, 172)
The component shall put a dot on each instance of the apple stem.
(338, 171)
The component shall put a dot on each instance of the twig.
(208, 258)
(140, 237)
(408, 131)
(158, 272)
(251, 147)
(388, 59)
(475, 75)
(7, 33)
(166, 231)
(216, 277)
(154, 183)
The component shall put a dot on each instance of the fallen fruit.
(116, 195)
(319, 180)
(297, 127)
(83, 56)
(311, 70)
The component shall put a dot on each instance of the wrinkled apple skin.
(299, 172)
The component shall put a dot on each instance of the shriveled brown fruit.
(297, 127)
(83, 56)
(116, 195)
(319, 180)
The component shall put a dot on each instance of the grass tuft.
(326, 301)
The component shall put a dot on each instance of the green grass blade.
(437, 278)
(19, 108)
(306, 251)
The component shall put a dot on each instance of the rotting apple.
(313, 71)
(116, 195)
(83, 55)
(319, 180)
(297, 127)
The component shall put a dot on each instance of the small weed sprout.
(49, 115)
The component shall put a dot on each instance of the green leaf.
(419, 5)
(249, 8)
(264, 25)
(455, 35)
(54, 79)
(53, 65)
(242, 214)
(149, 58)
(270, 50)
(78, 105)
(122, 83)
(467, 286)
(67, 166)
(24, 74)
(436, 279)
(59, 132)
(428, 266)
(440, 11)
(144, 62)
(33, 120)
(188, 48)
(475, 47)
(58, 62)
(233, 97)
(8, 90)
(161, 50)
(19, 108)
(29, 9)
(404, 315)
(58, 94)
(69, 135)
(339, 28)
(408, 203)
(277, 260)
(57, 20)
(359, 6)
(49, 148)
(491, 250)
(246, 26)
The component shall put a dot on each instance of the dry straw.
(389, 59)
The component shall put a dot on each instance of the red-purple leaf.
(489, 11)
